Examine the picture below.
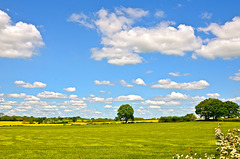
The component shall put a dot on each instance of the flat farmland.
(142, 140)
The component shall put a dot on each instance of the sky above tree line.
(87, 58)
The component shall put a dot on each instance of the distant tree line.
(52, 120)
(188, 117)
(40, 120)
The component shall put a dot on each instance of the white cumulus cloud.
(154, 107)
(173, 96)
(225, 45)
(31, 98)
(108, 83)
(70, 89)
(139, 81)
(5, 107)
(108, 106)
(168, 84)
(51, 95)
(29, 85)
(236, 99)
(15, 95)
(177, 96)
(160, 103)
(129, 98)
(176, 74)
(20, 40)
(122, 42)
(213, 95)
(82, 19)
(125, 84)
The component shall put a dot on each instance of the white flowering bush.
(228, 146)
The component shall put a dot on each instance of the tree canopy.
(215, 108)
(232, 109)
(125, 112)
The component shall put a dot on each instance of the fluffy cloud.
(36, 103)
(51, 95)
(29, 85)
(19, 40)
(75, 103)
(110, 100)
(154, 107)
(213, 95)
(108, 83)
(116, 56)
(139, 81)
(122, 18)
(131, 12)
(236, 99)
(19, 82)
(73, 96)
(226, 45)
(176, 96)
(173, 96)
(123, 43)
(70, 89)
(82, 19)
(176, 74)
(160, 103)
(49, 108)
(5, 107)
(98, 100)
(127, 44)
(68, 110)
(129, 98)
(9, 102)
(15, 95)
(31, 98)
(125, 84)
(168, 84)
(198, 98)
(108, 106)
(236, 76)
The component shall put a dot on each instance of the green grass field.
(146, 140)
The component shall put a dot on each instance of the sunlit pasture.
(142, 140)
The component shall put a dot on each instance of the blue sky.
(86, 58)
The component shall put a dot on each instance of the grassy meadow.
(142, 140)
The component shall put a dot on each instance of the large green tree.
(211, 108)
(232, 109)
(125, 112)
